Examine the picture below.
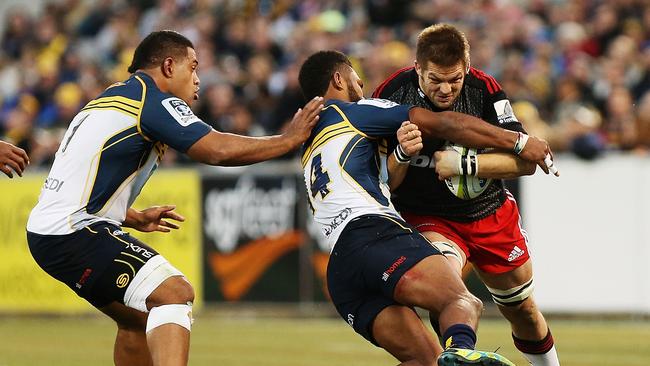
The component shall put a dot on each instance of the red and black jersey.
(421, 192)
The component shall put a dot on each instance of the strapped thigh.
(513, 296)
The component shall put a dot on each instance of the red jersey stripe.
(492, 84)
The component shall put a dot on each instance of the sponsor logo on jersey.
(423, 161)
(53, 184)
(351, 320)
(180, 111)
(140, 250)
(122, 280)
(505, 114)
(392, 268)
(338, 220)
(381, 103)
(516, 253)
(83, 278)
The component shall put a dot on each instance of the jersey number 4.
(319, 178)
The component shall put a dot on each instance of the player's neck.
(336, 94)
(158, 78)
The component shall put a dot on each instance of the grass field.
(241, 340)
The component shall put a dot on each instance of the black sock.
(459, 336)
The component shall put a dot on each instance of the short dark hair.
(317, 71)
(442, 44)
(157, 46)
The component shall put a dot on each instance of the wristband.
(463, 165)
(522, 139)
(473, 165)
(401, 156)
(468, 165)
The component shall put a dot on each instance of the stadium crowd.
(577, 72)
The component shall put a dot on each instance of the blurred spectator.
(583, 67)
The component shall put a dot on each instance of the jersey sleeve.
(171, 121)
(378, 117)
(498, 111)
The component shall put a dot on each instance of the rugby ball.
(466, 186)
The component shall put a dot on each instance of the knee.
(474, 303)
(526, 311)
(469, 303)
(174, 290)
(184, 291)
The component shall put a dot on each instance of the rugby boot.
(459, 356)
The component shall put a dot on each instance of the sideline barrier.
(25, 288)
(249, 237)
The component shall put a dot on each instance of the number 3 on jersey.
(319, 178)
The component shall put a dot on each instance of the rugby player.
(106, 156)
(380, 267)
(12, 158)
(485, 230)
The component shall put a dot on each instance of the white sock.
(546, 359)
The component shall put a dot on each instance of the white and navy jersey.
(344, 162)
(108, 153)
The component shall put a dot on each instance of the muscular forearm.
(396, 172)
(462, 129)
(231, 150)
(503, 166)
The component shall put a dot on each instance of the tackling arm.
(218, 148)
(472, 132)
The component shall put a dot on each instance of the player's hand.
(12, 157)
(537, 150)
(410, 138)
(303, 121)
(447, 163)
(153, 219)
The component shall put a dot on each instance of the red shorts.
(495, 244)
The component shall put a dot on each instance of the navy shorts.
(369, 258)
(97, 262)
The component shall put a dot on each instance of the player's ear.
(337, 80)
(168, 67)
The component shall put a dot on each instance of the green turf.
(236, 340)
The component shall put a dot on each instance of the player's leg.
(170, 320)
(141, 279)
(131, 342)
(399, 330)
(512, 292)
(456, 256)
(434, 285)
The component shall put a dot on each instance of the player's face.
(441, 84)
(185, 80)
(355, 86)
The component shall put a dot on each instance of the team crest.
(180, 111)
(504, 111)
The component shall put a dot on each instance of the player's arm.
(217, 148)
(12, 158)
(495, 165)
(153, 219)
(473, 132)
(409, 140)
